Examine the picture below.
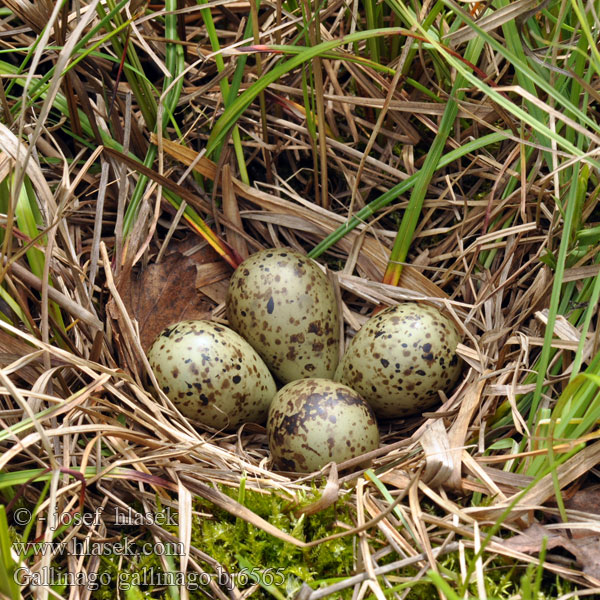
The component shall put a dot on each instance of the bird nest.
(87, 288)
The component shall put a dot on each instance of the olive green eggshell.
(284, 305)
(211, 374)
(313, 422)
(400, 358)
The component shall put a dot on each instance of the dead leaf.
(212, 273)
(585, 500)
(217, 291)
(530, 541)
(167, 292)
(585, 550)
(13, 349)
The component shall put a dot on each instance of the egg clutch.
(285, 330)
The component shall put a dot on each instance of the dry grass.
(83, 426)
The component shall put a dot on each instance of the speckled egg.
(211, 374)
(400, 358)
(284, 305)
(313, 422)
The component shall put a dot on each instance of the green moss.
(235, 544)
(252, 556)
(247, 553)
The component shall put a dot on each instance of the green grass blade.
(172, 86)
(555, 297)
(237, 107)
(140, 86)
(413, 211)
(404, 186)
(225, 91)
(590, 311)
(334, 55)
(8, 567)
(530, 77)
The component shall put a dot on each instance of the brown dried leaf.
(585, 500)
(162, 294)
(531, 540)
(13, 349)
(217, 291)
(586, 551)
(212, 273)
(167, 292)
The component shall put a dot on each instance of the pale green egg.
(211, 374)
(313, 422)
(401, 358)
(284, 305)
